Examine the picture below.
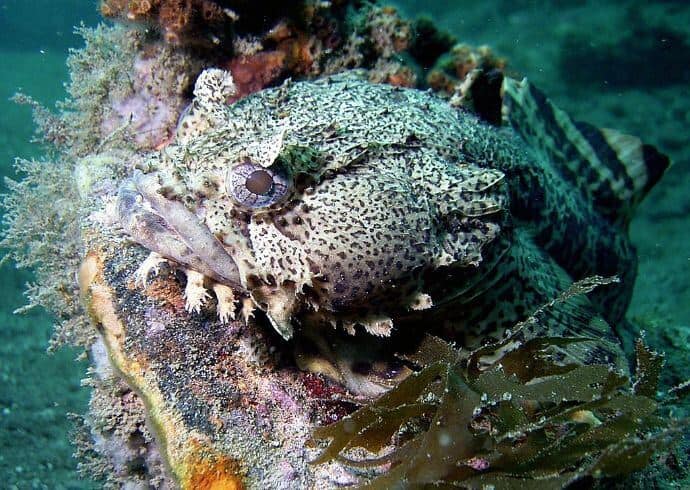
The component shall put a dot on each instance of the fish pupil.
(259, 182)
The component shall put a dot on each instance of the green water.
(622, 64)
(37, 390)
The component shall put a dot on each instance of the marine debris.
(198, 390)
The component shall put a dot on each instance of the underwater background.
(623, 64)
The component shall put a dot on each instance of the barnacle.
(505, 415)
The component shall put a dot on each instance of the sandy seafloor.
(622, 64)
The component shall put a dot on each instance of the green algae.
(507, 416)
(40, 218)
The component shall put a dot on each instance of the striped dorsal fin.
(613, 169)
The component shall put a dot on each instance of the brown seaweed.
(520, 421)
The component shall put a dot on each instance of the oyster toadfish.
(361, 206)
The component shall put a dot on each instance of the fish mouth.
(171, 230)
(361, 365)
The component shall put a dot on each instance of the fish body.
(369, 207)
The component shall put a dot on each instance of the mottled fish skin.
(385, 207)
(600, 176)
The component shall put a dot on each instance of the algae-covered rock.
(220, 404)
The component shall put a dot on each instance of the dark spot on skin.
(253, 281)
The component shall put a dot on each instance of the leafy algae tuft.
(506, 424)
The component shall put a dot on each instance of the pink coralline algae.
(150, 111)
(477, 463)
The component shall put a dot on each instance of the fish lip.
(170, 223)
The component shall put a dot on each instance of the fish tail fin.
(613, 169)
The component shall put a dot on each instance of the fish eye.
(254, 186)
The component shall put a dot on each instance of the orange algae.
(212, 472)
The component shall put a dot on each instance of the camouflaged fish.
(384, 210)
